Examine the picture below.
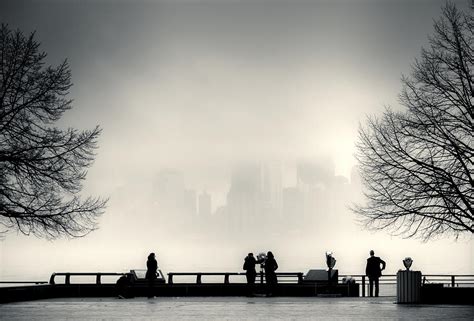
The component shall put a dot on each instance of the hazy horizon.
(203, 88)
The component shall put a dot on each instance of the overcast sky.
(202, 85)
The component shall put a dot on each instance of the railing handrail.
(206, 273)
(24, 282)
(230, 273)
(446, 275)
(89, 273)
(98, 275)
(442, 275)
(451, 279)
(226, 275)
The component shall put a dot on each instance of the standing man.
(373, 271)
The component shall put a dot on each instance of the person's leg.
(249, 283)
(271, 282)
(274, 283)
(252, 278)
(268, 283)
(376, 280)
(371, 287)
(151, 282)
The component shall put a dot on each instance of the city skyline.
(266, 179)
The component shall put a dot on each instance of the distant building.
(271, 189)
(189, 202)
(243, 197)
(255, 195)
(293, 204)
(313, 173)
(204, 205)
(168, 190)
(314, 178)
(171, 195)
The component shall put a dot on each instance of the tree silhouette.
(417, 165)
(41, 166)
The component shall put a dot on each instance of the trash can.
(408, 286)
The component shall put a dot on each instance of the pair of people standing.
(270, 265)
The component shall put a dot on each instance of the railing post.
(68, 279)
(261, 277)
(453, 281)
(226, 278)
(97, 279)
(363, 285)
(170, 278)
(300, 277)
(198, 278)
(51, 279)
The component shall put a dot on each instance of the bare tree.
(41, 166)
(417, 165)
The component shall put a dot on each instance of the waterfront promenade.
(230, 308)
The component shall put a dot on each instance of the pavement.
(230, 308)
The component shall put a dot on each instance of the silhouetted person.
(123, 286)
(373, 271)
(271, 266)
(250, 272)
(249, 267)
(152, 267)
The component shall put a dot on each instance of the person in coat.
(374, 271)
(249, 267)
(271, 266)
(152, 268)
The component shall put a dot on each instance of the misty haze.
(228, 127)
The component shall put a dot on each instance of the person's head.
(151, 256)
(250, 255)
(270, 255)
(372, 253)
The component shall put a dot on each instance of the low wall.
(26, 293)
(437, 294)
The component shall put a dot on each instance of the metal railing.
(23, 282)
(98, 276)
(288, 277)
(454, 280)
(449, 280)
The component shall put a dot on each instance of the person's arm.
(383, 264)
(276, 265)
(367, 268)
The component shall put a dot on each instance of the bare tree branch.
(41, 167)
(417, 166)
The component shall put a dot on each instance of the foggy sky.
(202, 86)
